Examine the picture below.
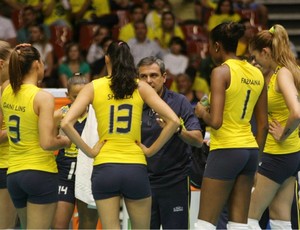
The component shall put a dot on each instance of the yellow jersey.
(246, 85)
(25, 152)
(278, 110)
(4, 151)
(119, 123)
(97, 8)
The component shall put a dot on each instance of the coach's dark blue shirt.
(172, 163)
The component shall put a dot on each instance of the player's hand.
(276, 129)
(145, 149)
(97, 147)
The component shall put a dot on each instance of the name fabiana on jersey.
(250, 81)
(14, 107)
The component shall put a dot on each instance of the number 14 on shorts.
(62, 190)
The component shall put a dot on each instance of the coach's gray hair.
(151, 60)
(77, 79)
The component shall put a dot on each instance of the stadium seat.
(193, 32)
(86, 35)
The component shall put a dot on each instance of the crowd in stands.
(72, 35)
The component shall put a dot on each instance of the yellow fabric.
(119, 123)
(4, 152)
(25, 152)
(212, 4)
(278, 110)
(58, 13)
(217, 19)
(246, 84)
(164, 39)
(28, 2)
(127, 32)
(199, 84)
(72, 151)
(156, 20)
(241, 49)
(99, 7)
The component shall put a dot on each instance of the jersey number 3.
(127, 119)
(14, 131)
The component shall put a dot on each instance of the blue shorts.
(129, 180)
(227, 164)
(279, 167)
(32, 186)
(170, 206)
(3, 178)
(66, 167)
(66, 191)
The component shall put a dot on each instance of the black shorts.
(129, 180)
(32, 186)
(66, 168)
(279, 167)
(227, 164)
(66, 191)
(3, 179)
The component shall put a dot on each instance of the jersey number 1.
(246, 103)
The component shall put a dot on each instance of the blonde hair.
(278, 41)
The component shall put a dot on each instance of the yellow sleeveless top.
(119, 123)
(246, 84)
(4, 151)
(278, 110)
(25, 152)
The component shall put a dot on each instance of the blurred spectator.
(7, 30)
(29, 18)
(20, 4)
(224, 13)
(87, 9)
(73, 64)
(167, 30)
(56, 13)
(141, 46)
(93, 12)
(41, 43)
(259, 9)
(120, 5)
(96, 51)
(242, 48)
(153, 18)
(200, 85)
(175, 61)
(184, 84)
(203, 9)
(98, 67)
(136, 15)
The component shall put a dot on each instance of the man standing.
(168, 169)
